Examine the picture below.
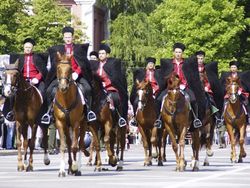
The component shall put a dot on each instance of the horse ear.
(16, 63)
(137, 82)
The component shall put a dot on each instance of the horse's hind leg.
(145, 145)
(195, 147)
(46, 159)
(20, 165)
(242, 140)
(25, 144)
(154, 142)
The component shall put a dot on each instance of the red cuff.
(78, 70)
(39, 76)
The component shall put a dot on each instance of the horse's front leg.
(76, 165)
(69, 147)
(26, 141)
(145, 145)
(46, 159)
(242, 154)
(154, 142)
(232, 141)
(59, 126)
(20, 165)
(195, 148)
(32, 146)
(182, 146)
(121, 138)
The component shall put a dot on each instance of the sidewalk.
(6, 152)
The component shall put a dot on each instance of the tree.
(45, 24)
(10, 12)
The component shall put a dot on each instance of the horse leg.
(107, 141)
(182, 145)
(69, 147)
(153, 142)
(150, 146)
(32, 146)
(159, 147)
(25, 144)
(174, 145)
(145, 144)
(242, 154)
(121, 138)
(195, 147)
(164, 141)
(59, 126)
(95, 144)
(232, 141)
(20, 166)
(91, 152)
(46, 159)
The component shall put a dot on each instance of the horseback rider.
(234, 65)
(93, 56)
(151, 74)
(190, 85)
(33, 67)
(80, 67)
(207, 86)
(110, 71)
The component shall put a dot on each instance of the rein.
(67, 111)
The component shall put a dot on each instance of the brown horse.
(26, 108)
(146, 116)
(106, 122)
(235, 118)
(175, 116)
(69, 116)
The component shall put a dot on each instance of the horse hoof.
(61, 174)
(29, 168)
(113, 162)
(244, 154)
(210, 153)
(206, 164)
(240, 160)
(160, 163)
(20, 168)
(78, 173)
(164, 160)
(195, 169)
(46, 162)
(154, 155)
(89, 164)
(182, 169)
(86, 153)
(119, 168)
(98, 169)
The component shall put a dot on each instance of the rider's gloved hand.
(182, 86)
(74, 76)
(34, 81)
(206, 89)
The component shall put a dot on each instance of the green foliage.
(10, 14)
(42, 20)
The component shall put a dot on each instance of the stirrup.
(45, 119)
(91, 116)
(197, 123)
(10, 116)
(122, 122)
(158, 123)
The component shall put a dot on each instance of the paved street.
(221, 172)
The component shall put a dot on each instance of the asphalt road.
(221, 172)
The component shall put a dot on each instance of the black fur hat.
(236, 63)
(105, 47)
(30, 40)
(150, 60)
(200, 52)
(93, 53)
(68, 30)
(179, 45)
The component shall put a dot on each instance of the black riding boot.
(8, 109)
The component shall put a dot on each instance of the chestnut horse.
(69, 116)
(175, 116)
(106, 122)
(235, 118)
(146, 116)
(26, 108)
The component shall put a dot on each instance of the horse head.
(232, 87)
(64, 71)
(173, 86)
(11, 77)
(144, 91)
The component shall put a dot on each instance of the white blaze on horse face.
(174, 91)
(140, 92)
(233, 95)
(7, 86)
